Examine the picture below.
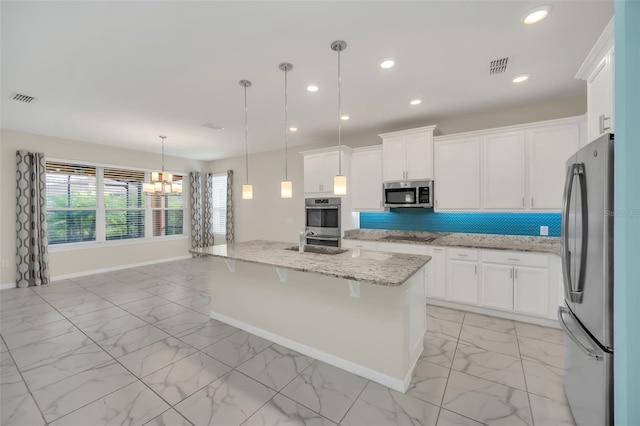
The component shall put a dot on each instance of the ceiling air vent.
(498, 66)
(19, 97)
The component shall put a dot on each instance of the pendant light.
(247, 189)
(161, 183)
(339, 181)
(286, 186)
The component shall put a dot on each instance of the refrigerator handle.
(576, 292)
(566, 254)
(588, 352)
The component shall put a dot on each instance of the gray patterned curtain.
(208, 211)
(32, 253)
(229, 231)
(196, 209)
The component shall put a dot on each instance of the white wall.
(90, 257)
(266, 216)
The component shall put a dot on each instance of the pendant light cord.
(286, 150)
(246, 137)
(339, 120)
(163, 138)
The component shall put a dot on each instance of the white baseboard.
(367, 373)
(102, 270)
(6, 286)
(546, 322)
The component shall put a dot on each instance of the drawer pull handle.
(513, 258)
(463, 255)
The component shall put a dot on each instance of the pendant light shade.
(161, 182)
(247, 189)
(339, 181)
(286, 186)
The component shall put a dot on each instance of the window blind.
(124, 203)
(219, 203)
(71, 202)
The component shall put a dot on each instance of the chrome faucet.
(303, 239)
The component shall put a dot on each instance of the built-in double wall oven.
(322, 221)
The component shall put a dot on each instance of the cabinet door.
(504, 171)
(313, 165)
(419, 155)
(530, 290)
(436, 283)
(329, 170)
(600, 98)
(550, 149)
(497, 286)
(366, 180)
(462, 280)
(394, 158)
(457, 174)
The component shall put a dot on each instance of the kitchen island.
(358, 310)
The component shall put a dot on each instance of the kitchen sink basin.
(318, 249)
(407, 238)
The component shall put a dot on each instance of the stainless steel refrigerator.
(587, 266)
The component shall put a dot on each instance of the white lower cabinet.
(517, 285)
(530, 291)
(497, 286)
(462, 275)
(436, 280)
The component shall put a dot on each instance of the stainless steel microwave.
(408, 193)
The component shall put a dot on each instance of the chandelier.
(162, 183)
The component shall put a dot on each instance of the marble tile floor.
(135, 347)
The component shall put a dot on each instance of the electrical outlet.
(544, 230)
(5, 263)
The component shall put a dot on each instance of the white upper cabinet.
(550, 148)
(504, 170)
(320, 166)
(512, 168)
(408, 154)
(366, 180)
(598, 71)
(457, 177)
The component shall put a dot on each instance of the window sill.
(103, 244)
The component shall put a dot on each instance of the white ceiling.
(121, 73)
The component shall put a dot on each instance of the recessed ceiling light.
(536, 15)
(212, 126)
(344, 117)
(293, 129)
(387, 63)
(416, 101)
(312, 88)
(520, 78)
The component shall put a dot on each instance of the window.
(219, 204)
(124, 204)
(89, 203)
(167, 213)
(71, 203)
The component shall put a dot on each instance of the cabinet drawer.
(403, 248)
(516, 258)
(462, 254)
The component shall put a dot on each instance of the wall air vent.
(20, 97)
(498, 66)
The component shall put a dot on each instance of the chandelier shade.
(162, 182)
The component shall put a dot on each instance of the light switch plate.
(544, 230)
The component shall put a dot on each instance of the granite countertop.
(380, 268)
(442, 239)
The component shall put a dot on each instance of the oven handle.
(313, 237)
(322, 207)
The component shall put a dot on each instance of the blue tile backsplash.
(472, 223)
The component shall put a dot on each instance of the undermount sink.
(318, 249)
(408, 238)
